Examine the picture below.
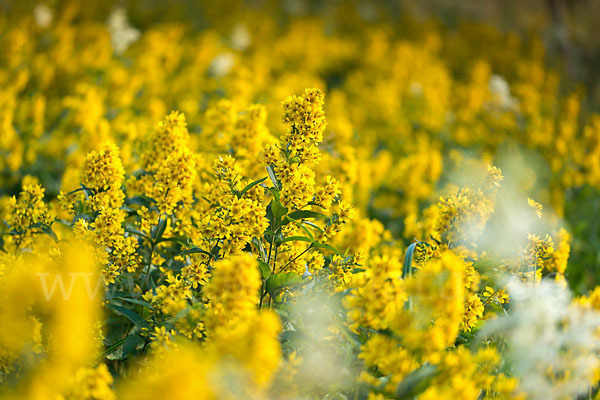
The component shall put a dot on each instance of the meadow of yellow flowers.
(252, 201)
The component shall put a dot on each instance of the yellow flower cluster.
(227, 220)
(232, 292)
(102, 195)
(55, 322)
(306, 120)
(346, 242)
(380, 293)
(92, 383)
(463, 215)
(103, 169)
(25, 216)
(169, 163)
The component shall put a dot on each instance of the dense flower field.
(272, 205)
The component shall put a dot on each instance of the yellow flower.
(560, 255)
(103, 169)
(232, 290)
(161, 338)
(473, 311)
(537, 207)
(92, 383)
(306, 120)
(169, 138)
(27, 215)
(494, 176)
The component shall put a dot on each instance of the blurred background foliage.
(558, 34)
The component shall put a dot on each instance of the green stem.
(271, 248)
(274, 264)
(112, 348)
(295, 258)
(263, 291)
(491, 297)
(146, 282)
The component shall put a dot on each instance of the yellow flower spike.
(103, 169)
(169, 138)
(494, 176)
(398, 109)
(232, 291)
(537, 207)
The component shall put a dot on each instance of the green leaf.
(296, 239)
(139, 233)
(415, 382)
(278, 281)
(259, 246)
(487, 266)
(48, 231)
(136, 301)
(214, 252)
(301, 226)
(301, 214)
(250, 186)
(408, 260)
(265, 269)
(283, 314)
(351, 336)
(327, 247)
(140, 201)
(130, 315)
(194, 251)
(275, 192)
(159, 229)
(113, 347)
(173, 239)
(84, 188)
(293, 335)
(273, 177)
(278, 209)
(315, 227)
(131, 343)
(113, 294)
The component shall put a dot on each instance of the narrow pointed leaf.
(130, 315)
(250, 186)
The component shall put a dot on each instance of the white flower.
(294, 7)
(240, 37)
(552, 344)
(43, 15)
(501, 92)
(222, 64)
(121, 33)
(415, 88)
